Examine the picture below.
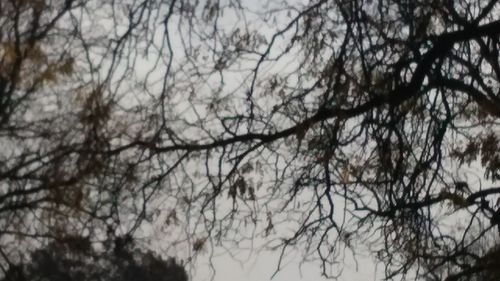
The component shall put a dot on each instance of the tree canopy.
(74, 259)
(329, 127)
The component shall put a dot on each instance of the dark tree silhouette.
(75, 259)
(330, 127)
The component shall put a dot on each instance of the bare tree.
(366, 125)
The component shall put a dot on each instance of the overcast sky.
(263, 266)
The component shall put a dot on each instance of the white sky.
(263, 267)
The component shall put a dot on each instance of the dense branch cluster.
(330, 127)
